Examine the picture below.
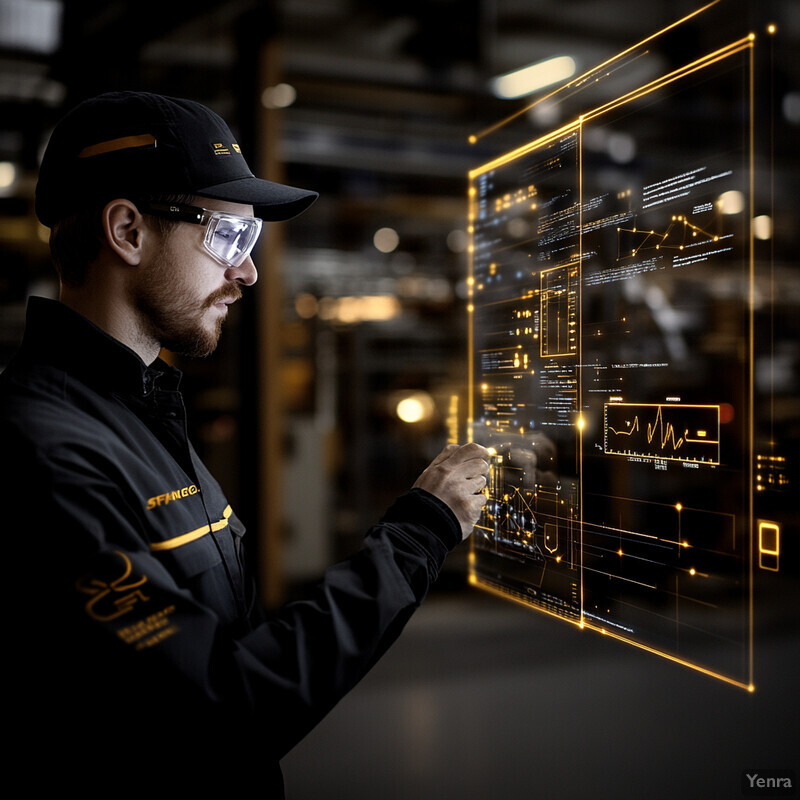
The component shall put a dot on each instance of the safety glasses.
(228, 238)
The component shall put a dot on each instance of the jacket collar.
(61, 337)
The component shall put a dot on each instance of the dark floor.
(485, 699)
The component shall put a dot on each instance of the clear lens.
(230, 239)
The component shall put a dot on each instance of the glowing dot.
(386, 240)
(790, 106)
(415, 407)
(621, 147)
(619, 552)
(762, 227)
(306, 305)
(281, 95)
(731, 202)
(457, 241)
(8, 174)
(678, 506)
(693, 571)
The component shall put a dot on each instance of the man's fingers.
(469, 459)
(474, 468)
(478, 483)
(466, 452)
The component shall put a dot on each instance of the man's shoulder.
(40, 404)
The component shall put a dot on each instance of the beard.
(178, 320)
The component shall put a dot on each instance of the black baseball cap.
(129, 144)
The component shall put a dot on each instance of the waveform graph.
(671, 431)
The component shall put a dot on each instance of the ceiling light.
(534, 77)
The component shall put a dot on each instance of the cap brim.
(271, 201)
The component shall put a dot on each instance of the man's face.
(183, 294)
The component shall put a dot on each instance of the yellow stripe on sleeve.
(186, 538)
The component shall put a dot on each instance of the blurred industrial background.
(344, 371)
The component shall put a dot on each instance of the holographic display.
(611, 371)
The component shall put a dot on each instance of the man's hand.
(457, 476)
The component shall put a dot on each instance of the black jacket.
(138, 639)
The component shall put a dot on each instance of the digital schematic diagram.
(559, 310)
(612, 376)
(529, 527)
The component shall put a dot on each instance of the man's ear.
(123, 230)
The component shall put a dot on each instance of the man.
(141, 657)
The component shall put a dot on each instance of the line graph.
(670, 431)
(679, 234)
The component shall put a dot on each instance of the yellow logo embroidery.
(168, 497)
(113, 598)
(149, 631)
(221, 149)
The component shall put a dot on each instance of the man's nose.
(245, 274)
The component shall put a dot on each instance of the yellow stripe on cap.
(186, 538)
(124, 143)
